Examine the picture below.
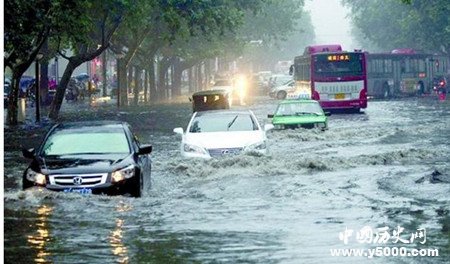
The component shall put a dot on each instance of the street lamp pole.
(118, 80)
(37, 87)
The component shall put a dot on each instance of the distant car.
(299, 114)
(281, 91)
(213, 99)
(218, 133)
(90, 157)
(278, 79)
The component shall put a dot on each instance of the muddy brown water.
(287, 207)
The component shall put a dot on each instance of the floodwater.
(371, 169)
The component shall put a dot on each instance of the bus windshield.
(326, 65)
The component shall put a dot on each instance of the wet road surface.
(371, 169)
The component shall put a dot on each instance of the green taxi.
(299, 114)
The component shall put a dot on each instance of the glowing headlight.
(193, 149)
(36, 177)
(125, 173)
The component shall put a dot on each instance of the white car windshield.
(223, 122)
(299, 109)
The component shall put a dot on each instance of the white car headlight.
(36, 177)
(193, 149)
(257, 146)
(122, 174)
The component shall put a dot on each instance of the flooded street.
(370, 169)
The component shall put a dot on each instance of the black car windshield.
(84, 141)
(299, 109)
(223, 123)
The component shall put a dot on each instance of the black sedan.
(90, 157)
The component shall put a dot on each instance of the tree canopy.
(423, 25)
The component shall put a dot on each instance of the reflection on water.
(41, 237)
(118, 248)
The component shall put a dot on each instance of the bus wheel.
(421, 88)
(386, 91)
(281, 95)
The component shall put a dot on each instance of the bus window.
(387, 66)
(324, 67)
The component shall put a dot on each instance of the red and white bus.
(335, 78)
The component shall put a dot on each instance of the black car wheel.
(281, 95)
(137, 188)
(26, 184)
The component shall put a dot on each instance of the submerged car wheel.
(281, 95)
(137, 189)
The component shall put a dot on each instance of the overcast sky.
(330, 22)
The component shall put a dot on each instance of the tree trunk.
(199, 78)
(104, 68)
(122, 82)
(43, 84)
(61, 88)
(145, 87)
(152, 79)
(130, 79)
(13, 99)
(137, 85)
(190, 81)
(176, 82)
(162, 69)
(207, 73)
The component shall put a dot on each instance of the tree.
(27, 27)
(164, 22)
(100, 21)
(423, 25)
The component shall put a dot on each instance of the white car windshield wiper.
(232, 122)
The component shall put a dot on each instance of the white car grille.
(224, 151)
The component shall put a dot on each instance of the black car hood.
(83, 163)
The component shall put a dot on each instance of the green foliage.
(280, 25)
(423, 25)
(26, 25)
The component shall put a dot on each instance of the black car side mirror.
(145, 149)
(270, 115)
(28, 153)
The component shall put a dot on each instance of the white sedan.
(222, 132)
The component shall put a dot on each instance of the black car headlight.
(122, 174)
(35, 177)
